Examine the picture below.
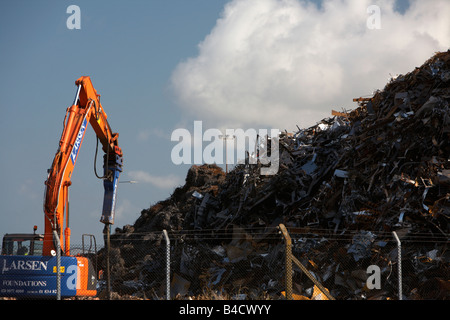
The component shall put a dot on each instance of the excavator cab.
(23, 244)
(26, 273)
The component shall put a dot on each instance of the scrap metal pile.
(342, 187)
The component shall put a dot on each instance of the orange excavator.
(27, 274)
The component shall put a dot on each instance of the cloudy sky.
(285, 63)
(161, 65)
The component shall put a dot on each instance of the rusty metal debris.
(343, 186)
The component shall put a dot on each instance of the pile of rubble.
(347, 183)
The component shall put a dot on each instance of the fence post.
(166, 237)
(106, 235)
(288, 242)
(58, 265)
(399, 265)
(289, 259)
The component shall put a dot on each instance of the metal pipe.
(166, 236)
(77, 95)
(67, 229)
(58, 265)
(292, 259)
(288, 260)
(106, 235)
(399, 247)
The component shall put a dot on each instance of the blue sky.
(160, 65)
(129, 49)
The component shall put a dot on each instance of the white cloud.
(282, 63)
(163, 182)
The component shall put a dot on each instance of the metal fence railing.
(272, 264)
(254, 264)
(367, 265)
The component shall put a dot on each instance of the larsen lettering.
(33, 265)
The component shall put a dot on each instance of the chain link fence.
(203, 265)
(259, 264)
(269, 264)
(365, 265)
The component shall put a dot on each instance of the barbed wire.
(272, 233)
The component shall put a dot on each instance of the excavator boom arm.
(25, 275)
(86, 109)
